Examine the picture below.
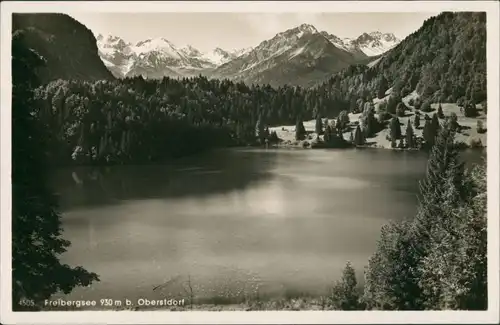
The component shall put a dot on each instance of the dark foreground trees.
(438, 259)
(37, 272)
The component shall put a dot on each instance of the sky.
(206, 31)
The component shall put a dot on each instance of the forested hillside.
(68, 47)
(145, 120)
(445, 61)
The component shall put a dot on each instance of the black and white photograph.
(217, 160)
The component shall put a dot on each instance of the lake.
(235, 222)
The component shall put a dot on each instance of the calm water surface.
(282, 221)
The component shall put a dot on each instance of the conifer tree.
(389, 280)
(435, 124)
(319, 125)
(342, 120)
(454, 122)
(428, 133)
(327, 135)
(409, 136)
(395, 130)
(345, 294)
(440, 111)
(443, 154)
(416, 263)
(382, 88)
(370, 124)
(300, 131)
(444, 169)
(453, 272)
(359, 136)
(393, 143)
(416, 121)
(259, 129)
(400, 109)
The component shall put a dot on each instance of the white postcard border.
(257, 317)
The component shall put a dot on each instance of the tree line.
(134, 120)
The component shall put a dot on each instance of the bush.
(383, 116)
(484, 105)
(470, 109)
(426, 106)
(273, 138)
(480, 127)
(342, 120)
(418, 103)
(400, 109)
(454, 122)
(475, 143)
(382, 107)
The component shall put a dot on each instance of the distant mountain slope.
(68, 47)
(445, 60)
(367, 44)
(298, 56)
(158, 57)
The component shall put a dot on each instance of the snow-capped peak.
(299, 31)
(375, 34)
(158, 55)
(191, 51)
(307, 28)
(219, 56)
(375, 43)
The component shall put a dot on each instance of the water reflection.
(281, 220)
(209, 174)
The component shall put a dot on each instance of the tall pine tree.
(345, 294)
(410, 136)
(319, 125)
(300, 131)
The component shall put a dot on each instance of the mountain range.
(299, 56)
(156, 58)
